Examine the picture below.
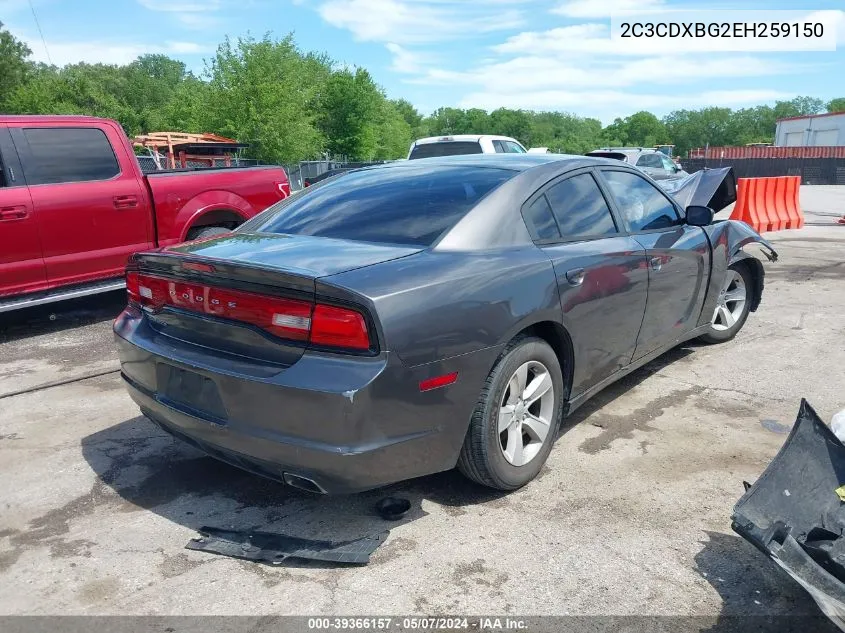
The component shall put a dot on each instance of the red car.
(74, 204)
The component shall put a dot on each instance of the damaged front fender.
(731, 242)
(794, 515)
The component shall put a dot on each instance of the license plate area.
(190, 392)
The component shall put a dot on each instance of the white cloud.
(591, 9)
(417, 21)
(533, 73)
(407, 61)
(190, 14)
(65, 52)
(609, 104)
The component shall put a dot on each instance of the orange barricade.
(793, 203)
(769, 204)
(780, 203)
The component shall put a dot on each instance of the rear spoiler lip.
(238, 275)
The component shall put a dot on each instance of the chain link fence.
(297, 173)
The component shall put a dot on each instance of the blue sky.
(533, 54)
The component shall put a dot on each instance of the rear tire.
(732, 307)
(206, 231)
(516, 420)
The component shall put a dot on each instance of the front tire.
(515, 422)
(732, 306)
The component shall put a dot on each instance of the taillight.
(132, 286)
(292, 319)
(339, 327)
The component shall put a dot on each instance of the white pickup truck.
(464, 144)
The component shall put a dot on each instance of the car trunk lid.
(297, 255)
(254, 296)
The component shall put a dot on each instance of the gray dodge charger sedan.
(405, 319)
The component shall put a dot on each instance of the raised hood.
(714, 188)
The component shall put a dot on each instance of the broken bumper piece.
(274, 548)
(794, 515)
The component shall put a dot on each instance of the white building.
(816, 130)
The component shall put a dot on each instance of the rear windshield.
(446, 148)
(405, 205)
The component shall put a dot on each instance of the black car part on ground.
(714, 188)
(268, 547)
(794, 515)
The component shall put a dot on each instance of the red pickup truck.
(74, 204)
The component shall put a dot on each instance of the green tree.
(393, 132)
(513, 123)
(836, 105)
(75, 89)
(267, 93)
(641, 129)
(352, 109)
(15, 67)
(150, 84)
(446, 121)
(752, 125)
(799, 106)
(688, 129)
(412, 117)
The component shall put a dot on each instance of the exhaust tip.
(303, 483)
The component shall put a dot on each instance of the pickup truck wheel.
(206, 231)
(515, 422)
(732, 306)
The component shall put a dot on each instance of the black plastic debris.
(795, 515)
(392, 508)
(275, 548)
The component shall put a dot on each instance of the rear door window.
(580, 208)
(540, 221)
(643, 206)
(397, 205)
(446, 148)
(68, 155)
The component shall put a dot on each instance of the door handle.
(575, 277)
(656, 264)
(13, 213)
(125, 202)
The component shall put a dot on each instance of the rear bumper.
(347, 424)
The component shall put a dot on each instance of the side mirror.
(699, 216)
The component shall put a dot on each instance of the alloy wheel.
(731, 302)
(525, 413)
